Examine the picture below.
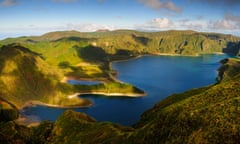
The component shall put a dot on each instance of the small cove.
(158, 76)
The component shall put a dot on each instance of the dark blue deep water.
(158, 76)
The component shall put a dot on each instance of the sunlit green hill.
(207, 115)
(25, 76)
(87, 55)
(28, 77)
(203, 115)
(165, 42)
(34, 69)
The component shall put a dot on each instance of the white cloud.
(221, 24)
(156, 24)
(88, 27)
(157, 4)
(229, 22)
(8, 3)
(233, 18)
(160, 23)
(191, 24)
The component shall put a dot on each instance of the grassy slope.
(204, 115)
(208, 115)
(87, 55)
(25, 76)
(85, 129)
(172, 42)
(63, 54)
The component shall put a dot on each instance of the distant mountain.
(102, 30)
(36, 69)
(165, 42)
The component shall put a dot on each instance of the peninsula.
(209, 114)
(33, 68)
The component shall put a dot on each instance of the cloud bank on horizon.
(40, 16)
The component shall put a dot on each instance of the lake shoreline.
(35, 102)
(158, 86)
(115, 79)
(133, 95)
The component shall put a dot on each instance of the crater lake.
(158, 76)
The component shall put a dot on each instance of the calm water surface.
(158, 76)
(83, 82)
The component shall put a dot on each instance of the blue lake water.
(75, 82)
(158, 76)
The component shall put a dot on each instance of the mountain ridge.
(31, 68)
(182, 42)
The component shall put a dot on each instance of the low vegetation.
(204, 115)
(33, 69)
(26, 76)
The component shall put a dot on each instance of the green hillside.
(165, 42)
(28, 77)
(204, 115)
(25, 76)
(207, 115)
(88, 55)
(35, 69)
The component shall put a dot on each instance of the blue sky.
(36, 17)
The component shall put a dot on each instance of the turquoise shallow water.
(158, 76)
